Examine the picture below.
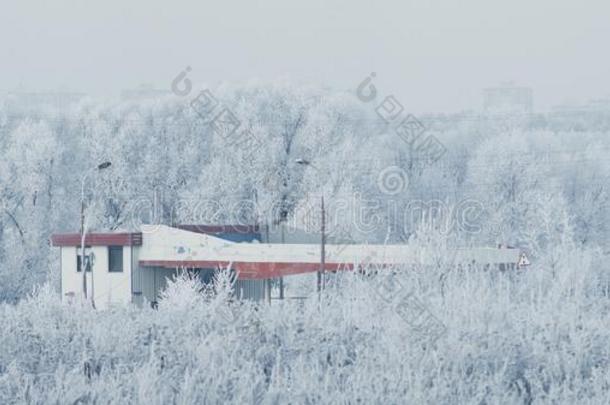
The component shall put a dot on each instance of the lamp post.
(304, 162)
(83, 230)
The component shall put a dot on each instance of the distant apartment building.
(144, 92)
(41, 103)
(508, 99)
(599, 105)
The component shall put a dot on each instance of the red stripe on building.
(250, 270)
(97, 239)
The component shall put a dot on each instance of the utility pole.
(83, 233)
(323, 246)
(305, 162)
(82, 244)
(281, 278)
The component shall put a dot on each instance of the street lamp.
(83, 230)
(304, 162)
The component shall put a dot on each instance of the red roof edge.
(98, 239)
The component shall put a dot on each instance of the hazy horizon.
(433, 57)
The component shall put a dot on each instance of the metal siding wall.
(161, 276)
(154, 279)
(250, 289)
(137, 297)
(136, 270)
(147, 283)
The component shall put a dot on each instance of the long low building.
(123, 267)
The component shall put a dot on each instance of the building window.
(115, 259)
(88, 254)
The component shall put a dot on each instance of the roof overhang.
(174, 248)
(98, 239)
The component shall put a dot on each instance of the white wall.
(108, 288)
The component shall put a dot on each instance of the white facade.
(107, 287)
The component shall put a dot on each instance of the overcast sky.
(433, 55)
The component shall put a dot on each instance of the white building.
(134, 267)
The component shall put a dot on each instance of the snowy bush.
(510, 337)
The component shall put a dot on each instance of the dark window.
(87, 259)
(115, 259)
